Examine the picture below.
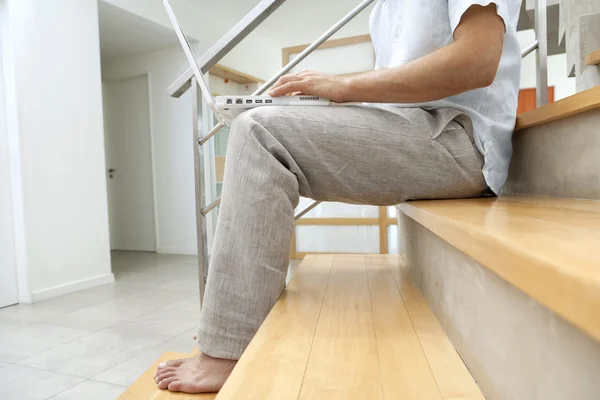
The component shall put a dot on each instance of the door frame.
(9, 125)
(151, 134)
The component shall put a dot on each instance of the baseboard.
(71, 287)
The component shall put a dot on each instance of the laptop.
(233, 105)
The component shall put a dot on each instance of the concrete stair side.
(571, 12)
(588, 76)
(556, 149)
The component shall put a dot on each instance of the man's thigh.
(368, 155)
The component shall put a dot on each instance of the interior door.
(129, 164)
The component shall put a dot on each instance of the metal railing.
(187, 80)
(541, 45)
(237, 34)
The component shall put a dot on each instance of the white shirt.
(404, 30)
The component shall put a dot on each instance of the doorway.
(130, 188)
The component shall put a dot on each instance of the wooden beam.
(286, 52)
(383, 245)
(347, 221)
(233, 75)
(220, 168)
(593, 58)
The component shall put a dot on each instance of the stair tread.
(576, 104)
(593, 58)
(350, 326)
(546, 247)
(144, 387)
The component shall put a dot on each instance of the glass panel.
(392, 236)
(337, 210)
(337, 239)
(221, 139)
(392, 212)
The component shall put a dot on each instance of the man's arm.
(470, 62)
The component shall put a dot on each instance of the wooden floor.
(547, 247)
(350, 327)
(347, 327)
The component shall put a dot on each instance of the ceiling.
(123, 33)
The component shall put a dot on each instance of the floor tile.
(22, 383)
(189, 304)
(10, 324)
(185, 338)
(160, 324)
(127, 372)
(32, 339)
(91, 390)
(89, 355)
(109, 313)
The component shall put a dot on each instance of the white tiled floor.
(92, 344)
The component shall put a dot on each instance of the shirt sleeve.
(457, 8)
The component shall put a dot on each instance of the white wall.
(57, 121)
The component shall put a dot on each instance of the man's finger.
(290, 87)
(285, 79)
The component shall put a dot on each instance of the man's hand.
(332, 87)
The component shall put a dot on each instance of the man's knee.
(253, 123)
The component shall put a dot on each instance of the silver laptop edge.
(189, 54)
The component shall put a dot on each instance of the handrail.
(330, 32)
(533, 46)
(541, 33)
(314, 45)
(235, 35)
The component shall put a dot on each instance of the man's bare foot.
(199, 374)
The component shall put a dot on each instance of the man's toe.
(175, 385)
(171, 363)
(164, 384)
(163, 375)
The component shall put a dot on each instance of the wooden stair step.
(350, 327)
(546, 247)
(593, 58)
(346, 327)
(144, 388)
(572, 105)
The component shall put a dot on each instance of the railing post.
(199, 188)
(541, 33)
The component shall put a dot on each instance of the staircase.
(515, 281)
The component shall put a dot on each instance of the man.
(459, 57)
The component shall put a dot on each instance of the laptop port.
(239, 101)
(229, 101)
(248, 101)
(268, 101)
(258, 101)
